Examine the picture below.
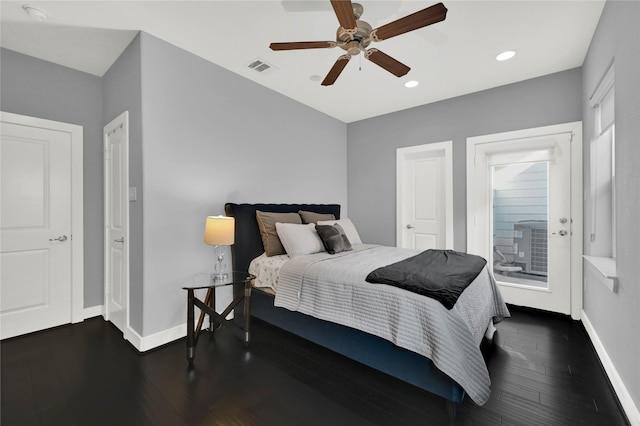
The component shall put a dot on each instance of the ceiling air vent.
(260, 66)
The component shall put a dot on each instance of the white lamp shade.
(219, 230)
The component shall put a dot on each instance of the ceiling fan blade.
(387, 62)
(422, 18)
(302, 45)
(344, 12)
(336, 70)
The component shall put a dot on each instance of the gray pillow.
(333, 238)
(312, 217)
(267, 224)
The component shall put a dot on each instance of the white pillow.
(299, 239)
(348, 226)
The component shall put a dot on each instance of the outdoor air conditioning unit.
(530, 241)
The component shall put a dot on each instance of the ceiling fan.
(355, 35)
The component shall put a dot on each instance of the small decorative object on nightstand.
(219, 231)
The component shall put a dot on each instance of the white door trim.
(77, 203)
(402, 159)
(122, 120)
(576, 196)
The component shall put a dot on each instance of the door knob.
(61, 238)
(119, 240)
(562, 232)
(410, 226)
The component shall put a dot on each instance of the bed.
(451, 369)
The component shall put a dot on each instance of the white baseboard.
(133, 337)
(629, 407)
(163, 337)
(94, 311)
(143, 344)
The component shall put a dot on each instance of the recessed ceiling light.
(411, 83)
(508, 54)
(35, 13)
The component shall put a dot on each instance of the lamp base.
(216, 277)
(219, 275)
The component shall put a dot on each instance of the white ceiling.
(450, 58)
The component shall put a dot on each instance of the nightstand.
(207, 306)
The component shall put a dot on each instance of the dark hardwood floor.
(543, 368)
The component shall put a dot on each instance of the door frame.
(408, 154)
(77, 202)
(473, 232)
(121, 120)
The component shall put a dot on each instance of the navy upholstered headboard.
(248, 243)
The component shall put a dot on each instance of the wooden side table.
(207, 306)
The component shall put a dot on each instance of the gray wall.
(372, 143)
(37, 88)
(615, 316)
(210, 136)
(199, 136)
(121, 86)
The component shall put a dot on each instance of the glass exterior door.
(520, 214)
(520, 218)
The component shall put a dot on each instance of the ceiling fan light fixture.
(35, 13)
(354, 36)
(412, 83)
(353, 48)
(506, 55)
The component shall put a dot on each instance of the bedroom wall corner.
(210, 136)
(121, 86)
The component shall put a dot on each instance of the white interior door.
(116, 221)
(424, 197)
(36, 222)
(520, 205)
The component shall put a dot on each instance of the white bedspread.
(266, 270)
(333, 288)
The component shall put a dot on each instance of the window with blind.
(603, 169)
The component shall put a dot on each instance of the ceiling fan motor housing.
(356, 42)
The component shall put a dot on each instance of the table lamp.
(219, 231)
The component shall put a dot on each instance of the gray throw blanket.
(440, 274)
